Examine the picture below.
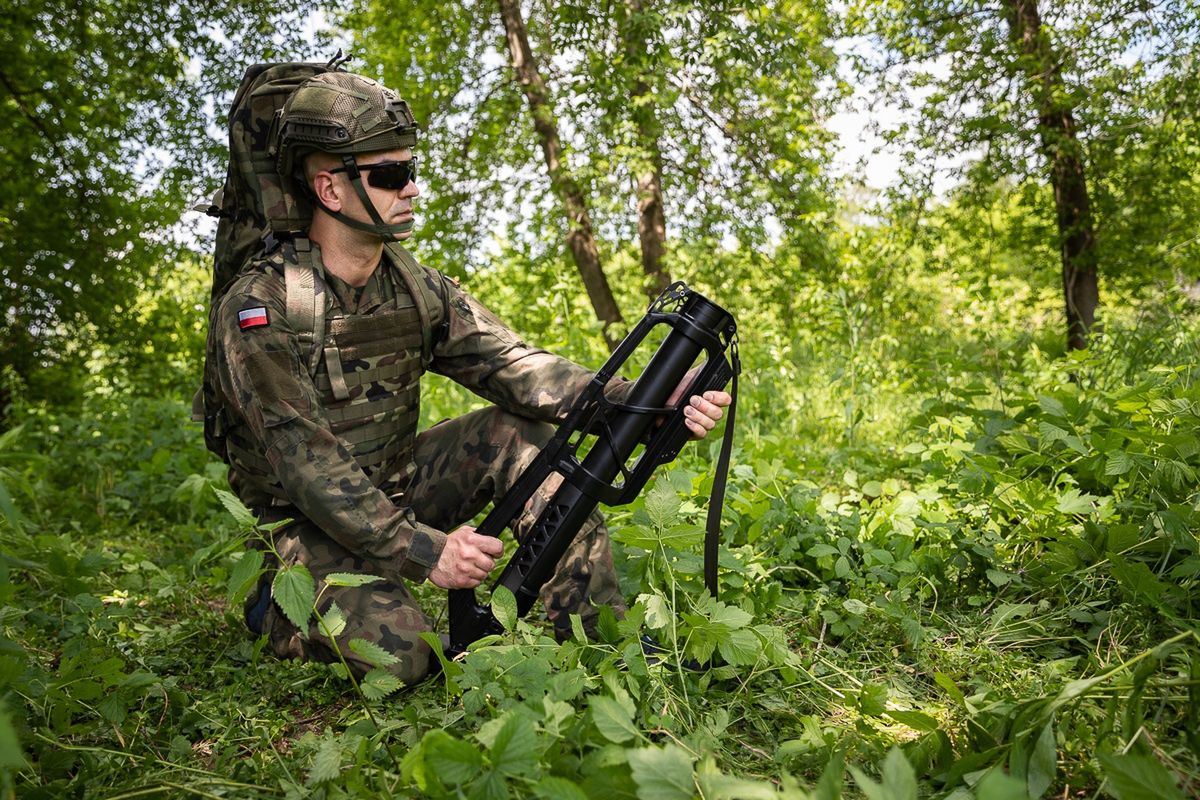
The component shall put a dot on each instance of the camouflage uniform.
(338, 451)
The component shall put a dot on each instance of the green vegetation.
(960, 558)
(937, 541)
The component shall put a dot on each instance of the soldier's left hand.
(703, 411)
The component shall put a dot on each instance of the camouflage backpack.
(260, 209)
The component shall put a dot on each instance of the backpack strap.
(306, 310)
(428, 303)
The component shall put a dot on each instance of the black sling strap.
(716, 503)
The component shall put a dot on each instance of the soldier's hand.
(466, 560)
(703, 411)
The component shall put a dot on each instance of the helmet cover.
(340, 112)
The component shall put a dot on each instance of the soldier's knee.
(409, 658)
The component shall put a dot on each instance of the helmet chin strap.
(386, 230)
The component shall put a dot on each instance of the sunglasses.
(387, 174)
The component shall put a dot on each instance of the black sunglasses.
(387, 174)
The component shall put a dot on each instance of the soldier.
(337, 449)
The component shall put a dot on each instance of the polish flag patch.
(253, 318)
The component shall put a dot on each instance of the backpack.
(259, 210)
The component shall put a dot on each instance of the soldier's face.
(394, 205)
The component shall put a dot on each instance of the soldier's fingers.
(698, 431)
(698, 417)
(488, 544)
(711, 410)
(472, 574)
(719, 398)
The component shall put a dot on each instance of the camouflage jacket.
(344, 463)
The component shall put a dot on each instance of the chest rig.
(366, 367)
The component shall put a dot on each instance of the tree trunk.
(652, 222)
(1056, 130)
(580, 238)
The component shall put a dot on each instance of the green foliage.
(734, 95)
(953, 562)
(106, 143)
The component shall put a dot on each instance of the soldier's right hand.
(466, 559)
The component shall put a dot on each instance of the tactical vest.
(366, 369)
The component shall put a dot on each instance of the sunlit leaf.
(662, 773)
(378, 684)
(504, 607)
(294, 592)
(372, 653)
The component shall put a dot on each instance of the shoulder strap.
(716, 503)
(432, 309)
(305, 305)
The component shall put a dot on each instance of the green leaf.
(855, 607)
(829, 787)
(916, 720)
(1119, 463)
(350, 579)
(899, 782)
(450, 669)
(998, 786)
(679, 537)
(372, 653)
(739, 647)
(552, 787)
(943, 680)
(658, 611)
(662, 773)
(294, 592)
(379, 683)
(504, 606)
(1136, 577)
(732, 616)
(1073, 502)
(1042, 762)
(241, 515)
(9, 510)
(1052, 407)
(872, 699)
(717, 786)
(898, 776)
(243, 576)
(613, 721)
(1138, 777)
(333, 621)
(662, 504)
(454, 761)
(327, 762)
(492, 786)
(113, 708)
(999, 578)
(514, 751)
(1050, 432)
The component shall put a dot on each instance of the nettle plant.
(577, 718)
(1070, 479)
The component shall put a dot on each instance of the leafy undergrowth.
(999, 601)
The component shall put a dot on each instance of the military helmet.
(343, 114)
(339, 112)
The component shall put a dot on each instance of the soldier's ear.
(328, 190)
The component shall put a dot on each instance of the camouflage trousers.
(461, 465)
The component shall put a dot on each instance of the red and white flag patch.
(253, 318)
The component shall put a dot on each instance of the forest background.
(960, 547)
